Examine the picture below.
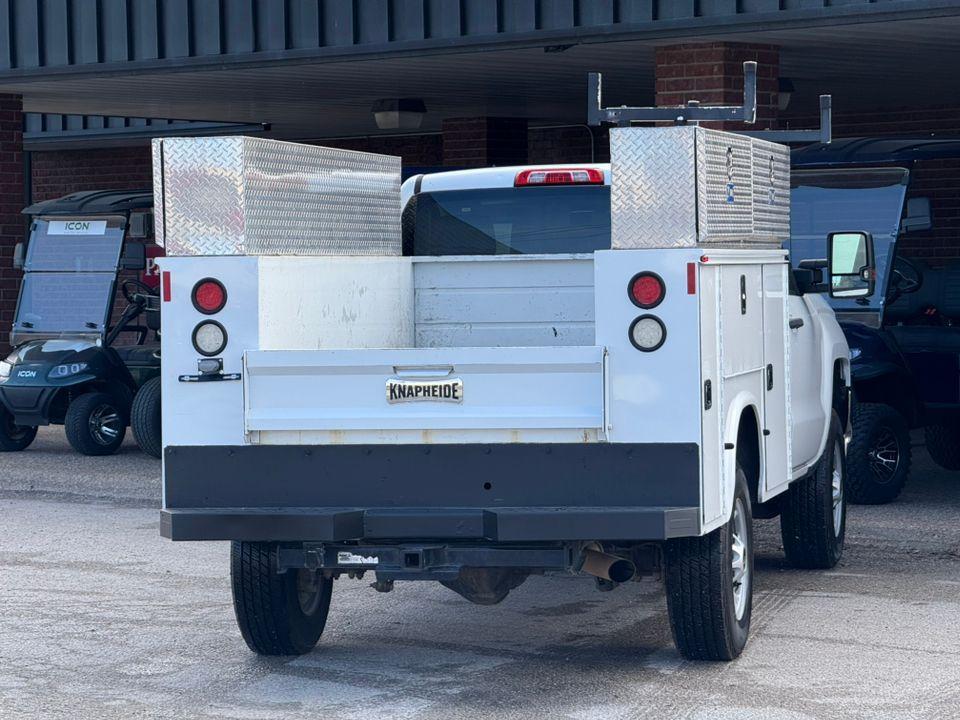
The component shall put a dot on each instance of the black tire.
(272, 616)
(701, 589)
(95, 424)
(943, 444)
(145, 417)
(813, 517)
(878, 456)
(14, 438)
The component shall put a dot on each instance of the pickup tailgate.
(509, 388)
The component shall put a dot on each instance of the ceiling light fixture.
(399, 113)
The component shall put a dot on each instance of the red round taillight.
(646, 290)
(209, 296)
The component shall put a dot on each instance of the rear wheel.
(14, 437)
(145, 417)
(943, 444)
(278, 613)
(709, 583)
(95, 424)
(878, 457)
(813, 519)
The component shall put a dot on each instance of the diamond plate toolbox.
(253, 196)
(687, 186)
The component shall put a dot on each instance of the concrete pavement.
(101, 618)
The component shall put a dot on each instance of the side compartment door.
(806, 412)
(776, 355)
(741, 360)
(711, 445)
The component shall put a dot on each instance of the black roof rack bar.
(823, 134)
(692, 112)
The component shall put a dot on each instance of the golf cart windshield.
(69, 274)
(825, 201)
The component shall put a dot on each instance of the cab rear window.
(508, 221)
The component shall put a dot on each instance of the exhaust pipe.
(608, 567)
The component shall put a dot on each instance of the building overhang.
(313, 70)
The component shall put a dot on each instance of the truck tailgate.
(499, 388)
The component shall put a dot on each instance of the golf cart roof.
(94, 202)
(875, 151)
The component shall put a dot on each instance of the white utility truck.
(540, 370)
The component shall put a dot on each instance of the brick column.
(484, 141)
(713, 74)
(12, 224)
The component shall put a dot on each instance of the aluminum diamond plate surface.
(724, 187)
(252, 196)
(687, 186)
(771, 190)
(157, 162)
(653, 201)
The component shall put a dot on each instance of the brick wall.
(413, 150)
(12, 224)
(713, 74)
(59, 172)
(563, 145)
(937, 179)
(484, 141)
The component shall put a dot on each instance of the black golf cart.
(905, 340)
(70, 364)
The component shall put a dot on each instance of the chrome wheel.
(105, 424)
(837, 489)
(884, 456)
(309, 590)
(740, 562)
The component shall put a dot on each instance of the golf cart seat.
(139, 355)
(940, 291)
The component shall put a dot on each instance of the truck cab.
(905, 348)
(529, 370)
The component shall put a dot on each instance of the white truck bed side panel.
(207, 413)
(308, 303)
(653, 396)
(504, 301)
(502, 389)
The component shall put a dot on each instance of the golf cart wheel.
(709, 584)
(878, 457)
(14, 437)
(813, 519)
(278, 613)
(943, 444)
(95, 424)
(145, 417)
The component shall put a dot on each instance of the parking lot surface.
(101, 618)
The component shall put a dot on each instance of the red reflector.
(691, 278)
(646, 290)
(559, 176)
(166, 286)
(209, 296)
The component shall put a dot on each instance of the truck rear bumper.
(496, 493)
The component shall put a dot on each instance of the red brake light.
(646, 290)
(559, 176)
(209, 296)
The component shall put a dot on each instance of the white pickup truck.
(593, 369)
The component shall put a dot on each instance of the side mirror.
(19, 253)
(918, 215)
(134, 257)
(850, 264)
